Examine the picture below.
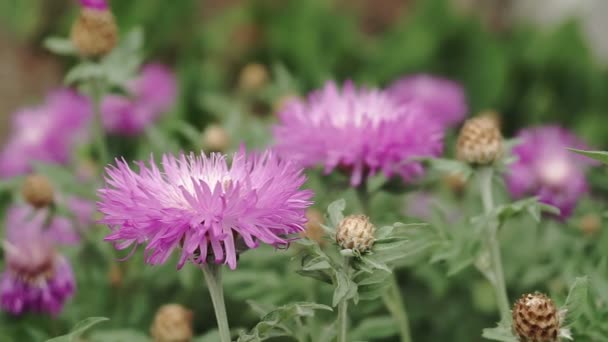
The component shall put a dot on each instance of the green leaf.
(449, 166)
(576, 300)
(601, 156)
(60, 46)
(375, 328)
(318, 263)
(500, 333)
(345, 288)
(277, 322)
(335, 211)
(83, 72)
(79, 329)
(318, 275)
(119, 335)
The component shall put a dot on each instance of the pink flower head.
(151, 94)
(546, 168)
(203, 206)
(444, 100)
(47, 133)
(94, 4)
(357, 129)
(37, 278)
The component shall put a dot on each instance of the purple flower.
(36, 278)
(359, 130)
(47, 133)
(203, 206)
(94, 4)
(545, 168)
(151, 94)
(444, 100)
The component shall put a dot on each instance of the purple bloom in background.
(94, 4)
(203, 206)
(37, 278)
(444, 100)
(150, 95)
(359, 130)
(545, 168)
(47, 133)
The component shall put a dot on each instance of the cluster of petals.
(547, 169)
(358, 130)
(46, 133)
(444, 99)
(37, 278)
(204, 207)
(149, 95)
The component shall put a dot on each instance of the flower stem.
(343, 311)
(394, 303)
(392, 298)
(213, 277)
(98, 131)
(491, 240)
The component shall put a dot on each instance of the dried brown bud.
(590, 223)
(215, 138)
(355, 232)
(253, 77)
(314, 231)
(480, 141)
(94, 33)
(37, 191)
(535, 318)
(172, 323)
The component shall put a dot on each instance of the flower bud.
(115, 276)
(355, 232)
(535, 318)
(480, 141)
(172, 323)
(590, 223)
(253, 77)
(94, 33)
(37, 190)
(215, 138)
(282, 101)
(314, 231)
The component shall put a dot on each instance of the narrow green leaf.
(60, 46)
(79, 329)
(500, 333)
(601, 156)
(375, 328)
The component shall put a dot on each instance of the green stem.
(343, 311)
(213, 277)
(485, 178)
(392, 298)
(98, 131)
(394, 303)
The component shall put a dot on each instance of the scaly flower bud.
(37, 191)
(355, 232)
(480, 141)
(456, 182)
(253, 77)
(314, 231)
(94, 33)
(215, 139)
(535, 318)
(172, 323)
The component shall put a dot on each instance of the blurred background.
(532, 61)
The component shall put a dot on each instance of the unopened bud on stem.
(215, 138)
(94, 33)
(172, 323)
(37, 190)
(480, 141)
(355, 232)
(535, 318)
